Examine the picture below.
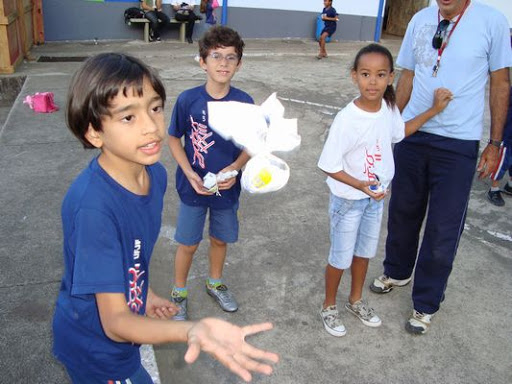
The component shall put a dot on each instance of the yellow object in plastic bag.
(262, 178)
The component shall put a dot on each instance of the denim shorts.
(355, 229)
(190, 224)
(141, 376)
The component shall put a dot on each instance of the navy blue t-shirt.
(205, 149)
(329, 25)
(109, 235)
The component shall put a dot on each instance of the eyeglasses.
(437, 40)
(219, 57)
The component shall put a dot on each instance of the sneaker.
(223, 296)
(495, 198)
(507, 189)
(384, 284)
(190, 41)
(181, 303)
(364, 312)
(332, 322)
(418, 323)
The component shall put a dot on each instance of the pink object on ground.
(41, 102)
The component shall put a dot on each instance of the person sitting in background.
(185, 13)
(153, 12)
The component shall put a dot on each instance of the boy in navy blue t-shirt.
(111, 219)
(204, 151)
(330, 18)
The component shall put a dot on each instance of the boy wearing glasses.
(203, 151)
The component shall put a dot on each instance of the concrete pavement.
(276, 269)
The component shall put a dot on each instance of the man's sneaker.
(507, 189)
(495, 198)
(384, 284)
(223, 296)
(364, 312)
(418, 323)
(332, 322)
(181, 303)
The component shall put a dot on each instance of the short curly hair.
(220, 37)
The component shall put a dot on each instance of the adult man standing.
(455, 45)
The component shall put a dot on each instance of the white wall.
(504, 6)
(347, 7)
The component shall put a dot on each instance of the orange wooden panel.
(14, 42)
(38, 27)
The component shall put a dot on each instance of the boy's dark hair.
(97, 82)
(389, 94)
(220, 37)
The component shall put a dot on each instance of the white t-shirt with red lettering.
(359, 143)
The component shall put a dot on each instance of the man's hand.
(226, 343)
(488, 161)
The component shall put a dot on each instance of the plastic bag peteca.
(260, 130)
(41, 102)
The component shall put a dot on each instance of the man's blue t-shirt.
(205, 149)
(109, 235)
(479, 44)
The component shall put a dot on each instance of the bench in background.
(146, 27)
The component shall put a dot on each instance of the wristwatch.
(496, 143)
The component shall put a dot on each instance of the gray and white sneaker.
(384, 284)
(364, 312)
(418, 323)
(223, 296)
(332, 321)
(181, 303)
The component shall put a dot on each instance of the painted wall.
(504, 6)
(87, 20)
(351, 7)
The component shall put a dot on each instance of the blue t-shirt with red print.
(205, 149)
(109, 235)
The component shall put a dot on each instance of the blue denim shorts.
(190, 224)
(355, 229)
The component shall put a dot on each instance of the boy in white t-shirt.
(358, 159)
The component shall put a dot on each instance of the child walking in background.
(204, 151)
(111, 219)
(208, 8)
(330, 17)
(504, 164)
(358, 159)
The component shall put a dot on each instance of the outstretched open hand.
(226, 343)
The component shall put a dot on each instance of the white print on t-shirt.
(198, 136)
(135, 301)
(372, 161)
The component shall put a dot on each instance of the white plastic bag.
(260, 130)
(265, 173)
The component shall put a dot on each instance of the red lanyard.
(445, 42)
